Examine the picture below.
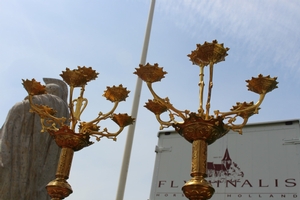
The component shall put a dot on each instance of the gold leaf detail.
(208, 53)
(85, 127)
(156, 107)
(243, 106)
(116, 94)
(79, 77)
(150, 73)
(262, 84)
(123, 119)
(33, 87)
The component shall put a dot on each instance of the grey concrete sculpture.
(28, 158)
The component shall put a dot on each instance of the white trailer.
(263, 163)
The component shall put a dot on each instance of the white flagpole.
(134, 111)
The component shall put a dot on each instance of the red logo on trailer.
(226, 170)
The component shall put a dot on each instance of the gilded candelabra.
(63, 129)
(200, 128)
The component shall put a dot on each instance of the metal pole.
(134, 111)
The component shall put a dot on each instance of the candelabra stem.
(198, 188)
(211, 72)
(201, 87)
(59, 188)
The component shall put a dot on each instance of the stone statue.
(28, 158)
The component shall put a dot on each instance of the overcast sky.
(41, 38)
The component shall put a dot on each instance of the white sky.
(41, 38)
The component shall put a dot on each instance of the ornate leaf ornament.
(123, 119)
(244, 112)
(86, 127)
(150, 73)
(155, 107)
(116, 94)
(262, 84)
(33, 87)
(208, 53)
(79, 77)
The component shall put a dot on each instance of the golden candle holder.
(63, 130)
(200, 128)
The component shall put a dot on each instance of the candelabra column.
(199, 158)
(65, 161)
(198, 188)
(59, 188)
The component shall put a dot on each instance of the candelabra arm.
(166, 102)
(260, 100)
(253, 108)
(237, 128)
(102, 116)
(242, 110)
(105, 133)
(164, 124)
(92, 129)
(46, 115)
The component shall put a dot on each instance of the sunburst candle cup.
(201, 128)
(63, 129)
